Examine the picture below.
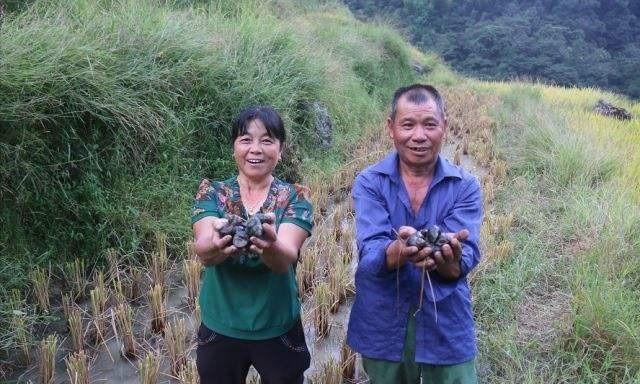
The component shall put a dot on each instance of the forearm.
(207, 252)
(279, 256)
(393, 256)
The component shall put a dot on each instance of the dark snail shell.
(416, 240)
(240, 239)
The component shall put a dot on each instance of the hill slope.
(111, 112)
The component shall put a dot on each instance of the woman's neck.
(250, 186)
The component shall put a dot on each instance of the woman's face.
(255, 152)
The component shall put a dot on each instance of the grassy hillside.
(557, 293)
(111, 111)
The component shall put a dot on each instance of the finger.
(417, 257)
(409, 251)
(437, 258)
(422, 254)
(256, 249)
(462, 234)
(428, 263)
(229, 250)
(405, 231)
(456, 248)
(223, 241)
(447, 253)
(270, 217)
(218, 223)
(269, 232)
(258, 242)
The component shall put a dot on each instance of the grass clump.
(112, 111)
(551, 301)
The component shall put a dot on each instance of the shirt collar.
(389, 166)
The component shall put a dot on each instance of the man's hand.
(398, 252)
(447, 261)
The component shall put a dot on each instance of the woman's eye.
(267, 141)
(245, 140)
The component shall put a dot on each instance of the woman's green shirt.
(241, 297)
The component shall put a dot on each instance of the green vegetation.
(562, 304)
(564, 42)
(111, 111)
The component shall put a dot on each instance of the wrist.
(394, 259)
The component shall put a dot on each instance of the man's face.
(417, 132)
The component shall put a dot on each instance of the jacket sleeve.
(374, 231)
(467, 213)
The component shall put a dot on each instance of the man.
(398, 332)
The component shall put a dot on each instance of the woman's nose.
(255, 147)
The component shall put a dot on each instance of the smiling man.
(394, 325)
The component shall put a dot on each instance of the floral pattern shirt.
(289, 202)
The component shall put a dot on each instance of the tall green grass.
(111, 111)
(574, 271)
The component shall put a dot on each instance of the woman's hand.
(279, 249)
(210, 247)
(268, 238)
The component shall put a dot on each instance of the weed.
(321, 310)
(123, 315)
(41, 280)
(189, 374)
(158, 311)
(74, 323)
(149, 368)
(78, 368)
(175, 337)
(192, 269)
(48, 349)
(348, 363)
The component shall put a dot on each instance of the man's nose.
(419, 134)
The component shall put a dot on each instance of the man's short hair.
(417, 94)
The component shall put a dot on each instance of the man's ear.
(390, 127)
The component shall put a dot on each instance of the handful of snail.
(242, 229)
(432, 236)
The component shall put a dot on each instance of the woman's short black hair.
(267, 115)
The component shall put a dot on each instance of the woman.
(249, 304)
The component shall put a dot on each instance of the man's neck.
(410, 173)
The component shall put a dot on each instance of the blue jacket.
(380, 311)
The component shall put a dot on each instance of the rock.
(607, 109)
(322, 124)
(418, 68)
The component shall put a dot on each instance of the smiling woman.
(249, 303)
